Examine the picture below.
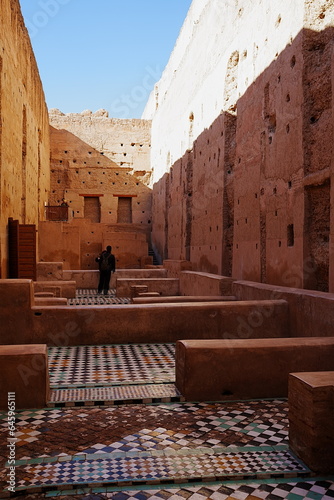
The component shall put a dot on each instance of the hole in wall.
(227, 392)
(290, 235)
(293, 61)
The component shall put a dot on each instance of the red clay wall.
(24, 129)
(252, 198)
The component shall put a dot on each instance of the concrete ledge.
(90, 278)
(245, 369)
(150, 323)
(175, 267)
(25, 375)
(58, 288)
(149, 294)
(180, 299)
(311, 419)
(193, 283)
(16, 298)
(50, 301)
(311, 312)
(164, 286)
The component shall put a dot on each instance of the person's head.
(109, 249)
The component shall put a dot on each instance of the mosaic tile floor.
(90, 297)
(171, 450)
(111, 365)
(280, 489)
(117, 395)
(165, 442)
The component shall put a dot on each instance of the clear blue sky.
(107, 54)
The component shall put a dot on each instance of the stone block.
(164, 286)
(58, 288)
(181, 299)
(197, 283)
(175, 267)
(50, 301)
(311, 417)
(137, 323)
(310, 311)
(135, 290)
(246, 368)
(25, 376)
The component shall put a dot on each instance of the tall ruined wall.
(125, 142)
(248, 91)
(101, 167)
(24, 129)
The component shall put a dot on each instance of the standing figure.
(107, 265)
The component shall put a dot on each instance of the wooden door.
(22, 250)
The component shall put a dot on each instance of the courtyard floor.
(116, 427)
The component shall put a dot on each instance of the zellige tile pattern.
(111, 364)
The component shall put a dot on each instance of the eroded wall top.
(125, 142)
(217, 38)
(24, 130)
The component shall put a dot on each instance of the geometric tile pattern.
(135, 451)
(159, 438)
(278, 489)
(118, 470)
(32, 418)
(107, 395)
(111, 364)
(90, 297)
(26, 436)
(134, 427)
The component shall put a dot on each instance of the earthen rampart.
(241, 143)
(24, 129)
